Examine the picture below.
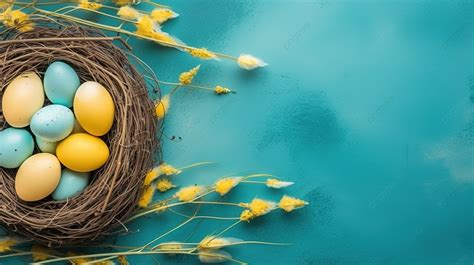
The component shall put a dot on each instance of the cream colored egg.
(94, 108)
(37, 177)
(22, 98)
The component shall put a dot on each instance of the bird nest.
(112, 195)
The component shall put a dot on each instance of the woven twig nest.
(114, 190)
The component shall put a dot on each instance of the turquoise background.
(366, 105)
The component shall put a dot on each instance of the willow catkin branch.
(112, 195)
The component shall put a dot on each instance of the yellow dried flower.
(14, 18)
(39, 253)
(77, 261)
(222, 90)
(146, 27)
(246, 216)
(289, 204)
(123, 260)
(163, 169)
(89, 5)
(162, 107)
(213, 242)
(128, 12)
(260, 207)
(249, 62)
(164, 185)
(188, 194)
(214, 256)
(147, 196)
(170, 247)
(152, 175)
(223, 186)
(186, 78)
(161, 15)
(6, 244)
(169, 170)
(278, 184)
(202, 53)
(123, 2)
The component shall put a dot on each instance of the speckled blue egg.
(16, 145)
(46, 146)
(61, 83)
(52, 123)
(72, 183)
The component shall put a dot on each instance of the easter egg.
(71, 184)
(52, 123)
(22, 98)
(16, 145)
(37, 177)
(82, 152)
(94, 108)
(46, 146)
(61, 83)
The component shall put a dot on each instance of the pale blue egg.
(52, 123)
(46, 146)
(72, 183)
(61, 83)
(16, 145)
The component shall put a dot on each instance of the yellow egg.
(22, 98)
(37, 177)
(82, 152)
(94, 108)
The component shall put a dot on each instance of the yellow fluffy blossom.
(6, 244)
(77, 261)
(152, 175)
(188, 194)
(186, 78)
(124, 2)
(164, 185)
(213, 256)
(289, 204)
(169, 170)
(260, 207)
(163, 169)
(162, 107)
(246, 216)
(213, 242)
(170, 247)
(89, 5)
(161, 15)
(278, 184)
(146, 27)
(123, 260)
(222, 90)
(39, 253)
(128, 12)
(147, 196)
(202, 53)
(223, 186)
(16, 17)
(249, 62)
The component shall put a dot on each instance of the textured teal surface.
(366, 105)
